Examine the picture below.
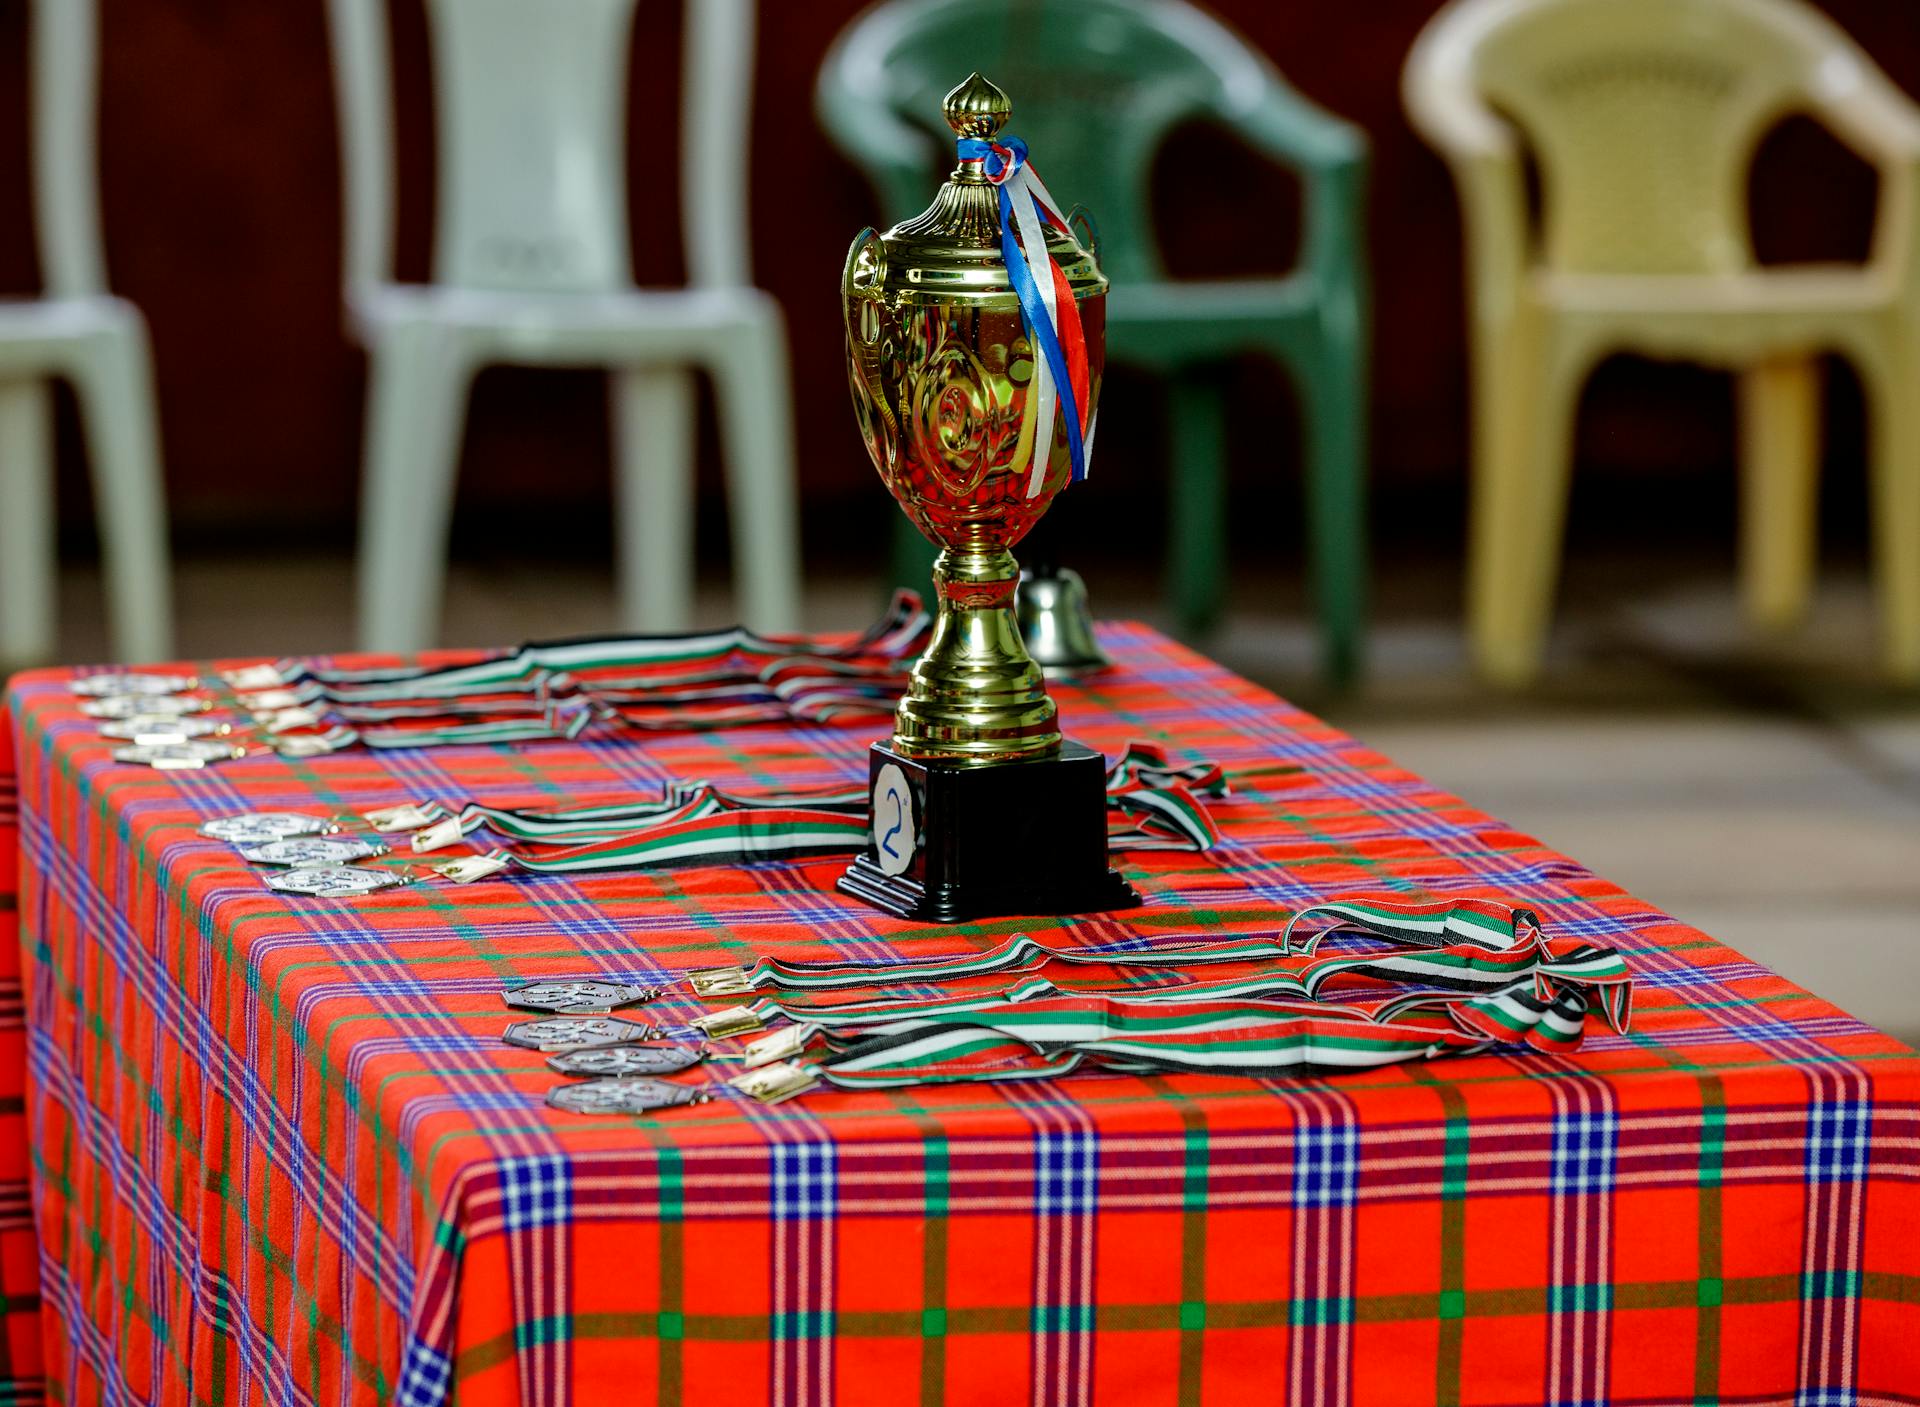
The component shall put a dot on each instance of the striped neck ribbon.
(704, 680)
(1061, 379)
(637, 658)
(1163, 801)
(1478, 975)
(1155, 804)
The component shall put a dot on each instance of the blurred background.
(1763, 784)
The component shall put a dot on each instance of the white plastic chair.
(531, 266)
(98, 343)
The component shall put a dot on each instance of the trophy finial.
(977, 108)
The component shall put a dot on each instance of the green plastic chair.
(1097, 86)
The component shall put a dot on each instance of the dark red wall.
(220, 188)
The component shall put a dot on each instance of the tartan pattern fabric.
(281, 1155)
(22, 1379)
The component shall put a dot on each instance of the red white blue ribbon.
(1052, 318)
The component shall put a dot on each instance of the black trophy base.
(949, 843)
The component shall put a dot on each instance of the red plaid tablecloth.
(280, 1155)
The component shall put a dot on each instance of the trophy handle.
(860, 283)
(1085, 229)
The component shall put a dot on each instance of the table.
(280, 1154)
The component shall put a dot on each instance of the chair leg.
(28, 568)
(1335, 411)
(1522, 464)
(756, 422)
(1197, 501)
(1895, 415)
(653, 444)
(417, 380)
(1780, 461)
(113, 380)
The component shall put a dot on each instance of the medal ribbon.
(680, 801)
(726, 837)
(698, 823)
(637, 662)
(717, 679)
(1512, 986)
(1047, 307)
(1466, 945)
(1245, 1038)
(693, 823)
(557, 722)
(1163, 800)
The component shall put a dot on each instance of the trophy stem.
(976, 696)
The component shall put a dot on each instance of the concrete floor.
(1766, 790)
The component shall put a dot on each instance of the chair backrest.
(1096, 86)
(531, 110)
(1643, 115)
(65, 80)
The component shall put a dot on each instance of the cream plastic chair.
(1643, 116)
(98, 342)
(531, 266)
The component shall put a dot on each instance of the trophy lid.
(952, 249)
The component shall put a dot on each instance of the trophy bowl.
(942, 367)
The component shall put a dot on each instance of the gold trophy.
(979, 807)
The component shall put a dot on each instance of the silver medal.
(185, 755)
(163, 728)
(305, 850)
(630, 1096)
(255, 827)
(100, 686)
(553, 1033)
(332, 881)
(138, 705)
(577, 996)
(611, 1062)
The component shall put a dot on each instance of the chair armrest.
(1295, 132)
(1882, 124)
(1330, 156)
(1484, 156)
(1865, 110)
